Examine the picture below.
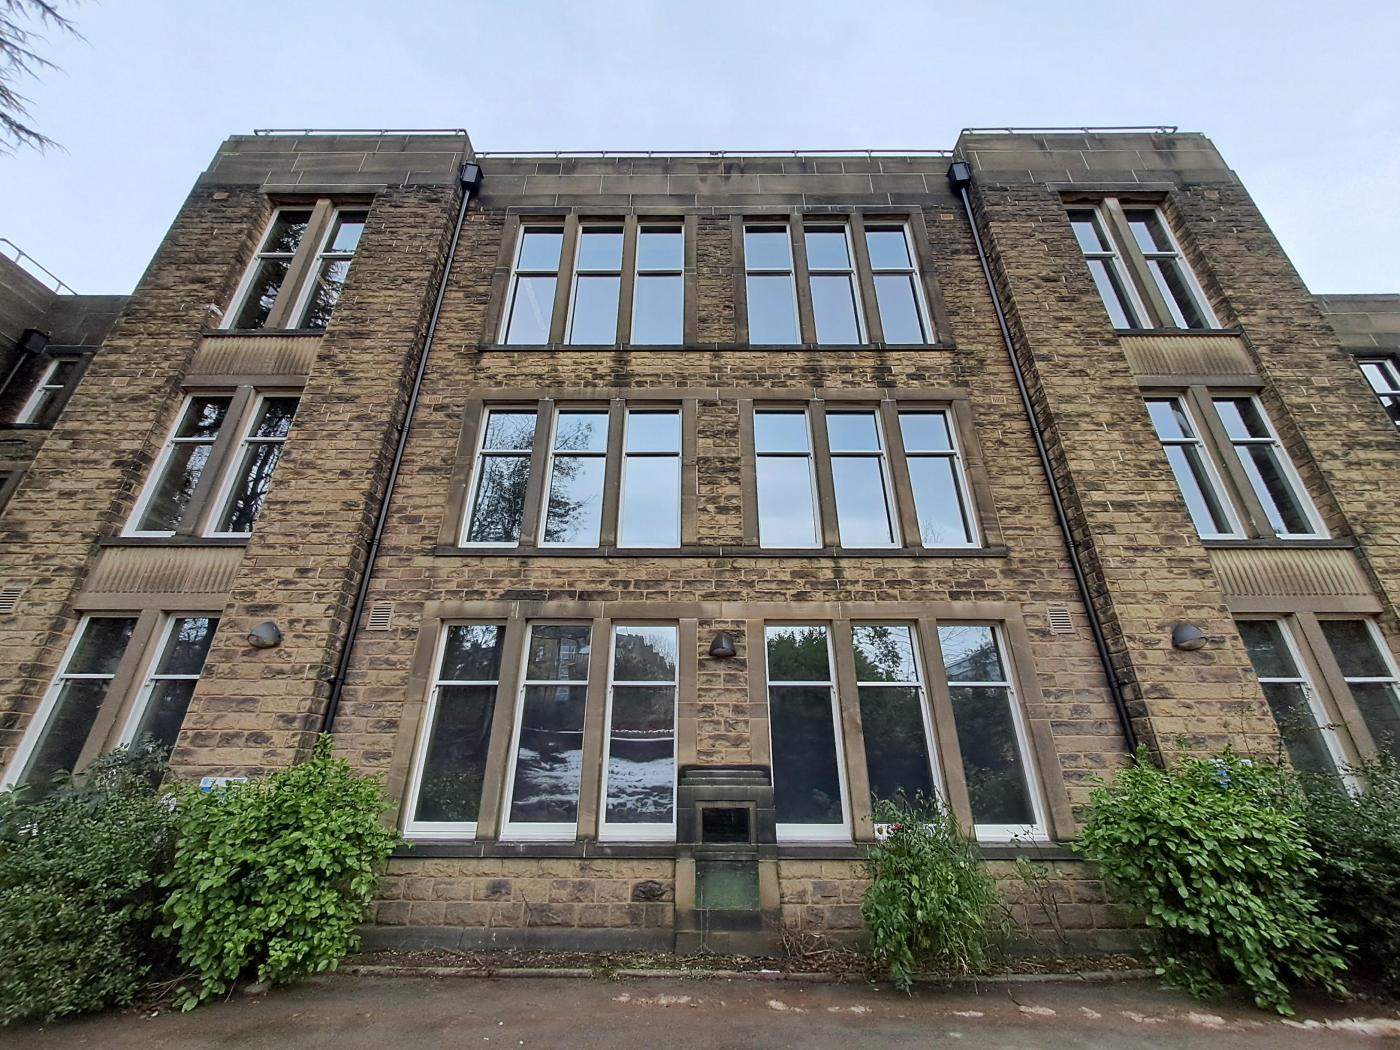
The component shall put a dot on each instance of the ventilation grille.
(381, 616)
(1061, 622)
(9, 598)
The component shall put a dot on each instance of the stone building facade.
(642, 519)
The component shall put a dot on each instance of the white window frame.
(516, 273)
(1378, 640)
(223, 491)
(886, 480)
(639, 274)
(1175, 253)
(1219, 491)
(37, 401)
(622, 832)
(679, 456)
(157, 471)
(1290, 472)
(245, 285)
(313, 274)
(551, 453)
(584, 230)
(940, 783)
(790, 272)
(1391, 372)
(1113, 259)
(849, 271)
(150, 677)
(911, 271)
(40, 719)
(442, 830)
(792, 408)
(554, 831)
(813, 832)
(478, 459)
(960, 482)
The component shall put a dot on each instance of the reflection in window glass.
(807, 781)
(1266, 464)
(597, 283)
(1169, 271)
(578, 456)
(269, 268)
(641, 759)
(835, 303)
(332, 268)
(1106, 268)
(892, 713)
(897, 292)
(533, 282)
(502, 475)
(1191, 466)
(1358, 648)
(658, 298)
(863, 512)
(771, 292)
(549, 739)
(182, 464)
(1292, 701)
(262, 449)
(160, 711)
(650, 514)
(787, 512)
(1384, 377)
(936, 475)
(52, 382)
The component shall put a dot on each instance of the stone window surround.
(46, 419)
(1110, 207)
(152, 614)
(955, 401)
(301, 270)
(571, 219)
(1389, 361)
(1043, 766)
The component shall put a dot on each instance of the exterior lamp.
(1187, 637)
(722, 647)
(266, 635)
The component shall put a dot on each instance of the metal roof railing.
(1152, 129)
(717, 153)
(360, 131)
(20, 256)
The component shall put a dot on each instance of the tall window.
(497, 499)
(1195, 476)
(1307, 734)
(809, 779)
(316, 244)
(658, 298)
(57, 377)
(269, 269)
(787, 507)
(991, 736)
(252, 476)
(530, 309)
(936, 475)
(861, 480)
(1370, 676)
(771, 291)
(1138, 267)
(651, 480)
(444, 796)
(169, 494)
(577, 462)
(60, 728)
(639, 783)
(894, 713)
(898, 291)
(1384, 377)
(835, 296)
(169, 686)
(547, 764)
(1265, 463)
(331, 268)
(597, 285)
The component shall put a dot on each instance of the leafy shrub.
(78, 886)
(931, 904)
(1357, 838)
(272, 877)
(1215, 854)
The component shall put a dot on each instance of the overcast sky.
(1303, 99)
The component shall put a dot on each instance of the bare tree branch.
(21, 31)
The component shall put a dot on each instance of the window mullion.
(564, 282)
(612, 473)
(595, 730)
(1221, 449)
(124, 685)
(828, 528)
(535, 492)
(1148, 294)
(302, 265)
(865, 281)
(945, 730)
(1331, 685)
(627, 281)
(852, 741)
(222, 457)
(802, 280)
(508, 696)
(900, 480)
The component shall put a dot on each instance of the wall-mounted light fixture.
(266, 635)
(722, 647)
(1188, 637)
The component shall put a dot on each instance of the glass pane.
(806, 774)
(798, 654)
(642, 755)
(1111, 291)
(1392, 408)
(767, 248)
(1275, 491)
(101, 646)
(658, 311)
(826, 249)
(1148, 231)
(165, 711)
(275, 417)
(1207, 512)
(899, 308)
(888, 248)
(499, 506)
(862, 512)
(925, 432)
(1297, 725)
(62, 373)
(349, 225)
(531, 311)
(67, 729)
(510, 430)
(787, 515)
(455, 762)
(653, 432)
(1171, 282)
(660, 249)
(558, 652)
(992, 763)
(970, 653)
(1242, 418)
(595, 311)
(1381, 375)
(581, 432)
(942, 519)
(203, 417)
(852, 432)
(600, 249)
(884, 653)
(288, 227)
(1380, 710)
(1086, 231)
(540, 248)
(549, 760)
(896, 748)
(472, 653)
(651, 502)
(1267, 648)
(1355, 648)
(250, 486)
(187, 645)
(171, 498)
(1169, 419)
(772, 310)
(268, 276)
(645, 654)
(834, 308)
(325, 293)
(781, 432)
(574, 515)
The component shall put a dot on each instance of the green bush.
(78, 887)
(931, 904)
(272, 877)
(1357, 838)
(1215, 854)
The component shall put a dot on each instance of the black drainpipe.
(960, 178)
(470, 179)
